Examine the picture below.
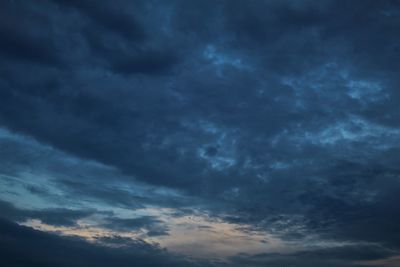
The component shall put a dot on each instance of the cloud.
(112, 17)
(22, 42)
(36, 172)
(272, 114)
(154, 226)
(55, 216)
(23, 246)
(349, 255)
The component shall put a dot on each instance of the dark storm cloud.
(342, 216)
(20, 41)
(150, 61)
(133, 49)
(23, 246)
(52, 172)
(285, 113)
(113, 17)
(56, 217)
(339, 256)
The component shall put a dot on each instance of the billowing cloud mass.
(200, 133)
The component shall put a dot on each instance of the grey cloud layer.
(283, 112)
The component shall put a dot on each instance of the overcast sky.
(200, 133)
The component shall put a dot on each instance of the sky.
(204, 133)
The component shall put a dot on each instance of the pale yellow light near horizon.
(196, 235)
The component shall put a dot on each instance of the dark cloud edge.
(22, 246)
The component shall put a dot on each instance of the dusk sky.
(199, 133)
